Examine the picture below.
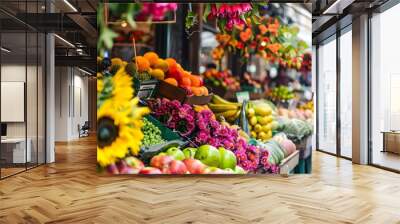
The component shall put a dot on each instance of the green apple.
(227, 158)
(208, 155)
(175, 153)
(239, 170)
(189, 152)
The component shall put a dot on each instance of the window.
(346, 94)
(385, 89)
(327, 97)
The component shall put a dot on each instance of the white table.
(18, 150)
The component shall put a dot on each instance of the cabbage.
(296, 129)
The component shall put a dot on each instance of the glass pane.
(346, 94)
(31, 98)
(327, 97)
(41, 99)
(386, 89)
(13, 86)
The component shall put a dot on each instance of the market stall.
(156, 115)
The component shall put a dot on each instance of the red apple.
(150, 170)
(134, 162)
(161, 161)
(177, 167)
(112, 169)
(194, 166)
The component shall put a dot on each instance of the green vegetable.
(152, 134)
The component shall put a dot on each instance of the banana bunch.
(221, 107)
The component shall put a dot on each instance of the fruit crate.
(171, 139)
(221, 91)
(289, 164)
(172, 92)
(166, 133)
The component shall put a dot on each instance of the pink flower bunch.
(249, 157)
(185, 120)
(155, 11)
(173, 114)
(231, 13)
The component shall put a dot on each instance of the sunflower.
(100, 85)
(122, 86)
(118, 131)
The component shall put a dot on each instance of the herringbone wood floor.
(70, 191)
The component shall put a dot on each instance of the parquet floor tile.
(70, 191)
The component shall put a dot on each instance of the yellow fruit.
(250, 112)
(219, 100)
(151, 57)
(157, 73)
(228, 113)
(266, 128)
(257, 128)
(270, 118)
(261, 135)
(262, 110)
(262, 120)
(253, 121)
(269, 134)
(253, 134)
(162, 64)
(222, 107)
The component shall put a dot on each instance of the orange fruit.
(171, 62)
(162, 64)
(197, 91)
(195, 80)
(204, 90)
(143, 64)
(185, 82)
(171, 81)
(157, 73)
(151, 57)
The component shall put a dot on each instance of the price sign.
(146, 89)
(242, 96)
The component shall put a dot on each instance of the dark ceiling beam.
(76, 61)
(84, 24)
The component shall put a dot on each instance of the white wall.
(71, 102)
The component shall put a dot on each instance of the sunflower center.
(107, 132)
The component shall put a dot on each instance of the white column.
(360, 90)
(50, 98)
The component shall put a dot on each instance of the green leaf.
(207, 10)
(190, 20)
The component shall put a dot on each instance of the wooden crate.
(172, 92)
(289, 163)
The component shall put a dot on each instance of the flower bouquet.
(155, 11)
(269, 39)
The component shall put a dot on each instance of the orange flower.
(245, 35)
(274, 48)
(233, 42)
(217, 53)
(223, 38)
(273, 27)
(263, 29)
